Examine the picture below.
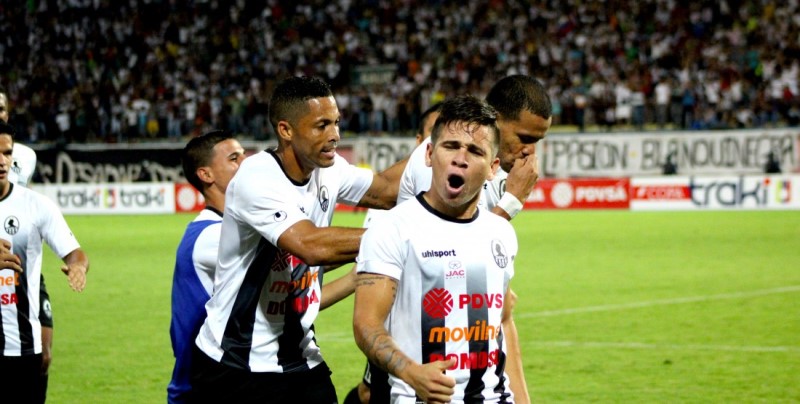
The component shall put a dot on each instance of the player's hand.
(431, 384)
(523, 177)
(76, 275)
(7, 259)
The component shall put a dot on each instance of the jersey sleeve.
(382, 249)
(24, 163)
(205, 253)
(268, 206)
(354, 181)
(55, 231)
(416, 176)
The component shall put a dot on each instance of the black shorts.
(213, 382)
(378, 382)
(45, 311)
(22, 380)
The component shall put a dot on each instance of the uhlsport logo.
(438, 303)
(324, 199)
(499, 253)
(11, 225)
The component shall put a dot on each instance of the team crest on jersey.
(502, 187)
(16, 168)
(324, 198)
(11, 225)
(279, 216)
(499, 253)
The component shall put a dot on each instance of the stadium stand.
(108, 71)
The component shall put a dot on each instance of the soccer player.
(258, 341)
(361, 393)
(434, 273)
(29, 219)
(524, 117)
(209, 162)
(23, 165)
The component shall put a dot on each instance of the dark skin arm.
(382, 194)
(321, 245)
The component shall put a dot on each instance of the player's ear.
(428, 154)
(284, 130)
(205, 174)
(493, 169)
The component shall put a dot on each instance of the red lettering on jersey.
(8, 298)
(477, 300)
(469, 360)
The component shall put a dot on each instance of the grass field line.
(660, 302)
(640, 345)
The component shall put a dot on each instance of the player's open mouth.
(455, 181)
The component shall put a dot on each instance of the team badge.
(279, 216)
(324, 199)
(11, 224)
(499, 253)
(502, 187)
(16, 168)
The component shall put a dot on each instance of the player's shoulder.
(23, 151)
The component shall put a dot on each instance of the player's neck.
(5, 188)
(460, 212)
(292, 166)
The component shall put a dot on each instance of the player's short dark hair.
(514, 94)
(422, 118)
(6, 129)
(199, 153)
(288, 101)
(469, 110)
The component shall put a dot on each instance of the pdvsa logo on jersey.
(499, 253)
(11, 225)
(324, 198)
(438, 303)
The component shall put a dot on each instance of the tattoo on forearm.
(385, 353)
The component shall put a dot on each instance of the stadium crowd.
(101, 70)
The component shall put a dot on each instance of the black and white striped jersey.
(29, 221)
(452, 279)
(265, 300)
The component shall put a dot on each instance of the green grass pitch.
(615, 307)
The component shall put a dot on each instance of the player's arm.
(76, 265)
(514, 367)
(519, 184)
(338, 289)
(321, 245)
(382, 194)
(7, 259)
(374, 298)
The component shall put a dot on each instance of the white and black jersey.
(452, 279)
(29, 220)
(416, 178)
(261, 315)
(23, 164)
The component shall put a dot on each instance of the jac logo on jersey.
(481, 331)
(438, 303)
(324, 198)
(11, 225)
(479, 300)
(469, 360)
(8, 298)
(454, 270)
(499, 253)
(298, 304)
(11, 280)
(306, 281)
